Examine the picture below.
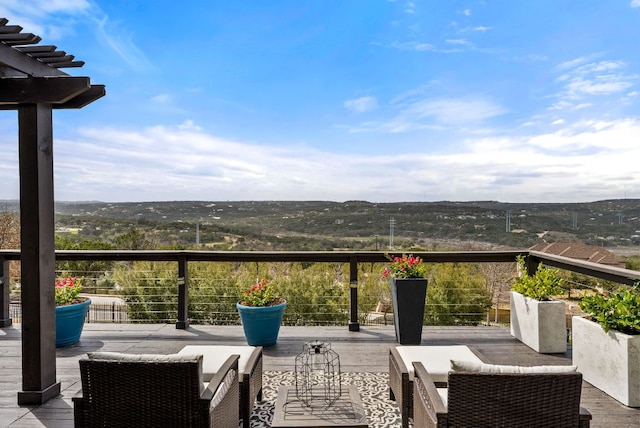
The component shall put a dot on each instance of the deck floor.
(363, 351)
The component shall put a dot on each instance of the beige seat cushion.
(436, 359)
(444, 395)
(216, 355)
(119, 356)
(470, 366)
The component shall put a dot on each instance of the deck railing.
(182, 259)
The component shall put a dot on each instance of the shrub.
(540, 286)
(618, 311)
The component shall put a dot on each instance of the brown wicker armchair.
(154, 391)
(473, 399)
(437, 359)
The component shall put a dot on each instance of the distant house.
(577, 250)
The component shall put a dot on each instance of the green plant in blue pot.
(261, 314)
(71, 310)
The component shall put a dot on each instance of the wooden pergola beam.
(57, 90)
(25, 64)
(83, 99)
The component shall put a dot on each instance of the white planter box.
(609, 361)
(541, 325)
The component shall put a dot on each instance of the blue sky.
(377, 100)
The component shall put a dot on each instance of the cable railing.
(196, 287)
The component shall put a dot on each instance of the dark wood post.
(5, 298)
(37, 254)
(354, 325)
(183, 294)
(531, 264)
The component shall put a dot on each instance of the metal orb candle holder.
(317, 374)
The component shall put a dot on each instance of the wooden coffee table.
(347, 411)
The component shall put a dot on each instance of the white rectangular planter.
(609, 361)
(541, 325)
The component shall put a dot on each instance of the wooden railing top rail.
(611, 273)
(275, 256)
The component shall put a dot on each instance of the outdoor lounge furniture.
(492, 399)
(249, 369)
(144, 390)
(437, 359)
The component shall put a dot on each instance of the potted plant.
(71, 310)
(261, 314)
(536, 319)
(606, 344)
(408, 284)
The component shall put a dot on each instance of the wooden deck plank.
(363, 351)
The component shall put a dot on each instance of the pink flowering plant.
(260, 294)
(68, 290)
(405, 266)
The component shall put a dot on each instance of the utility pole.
(574, 224)
(392, 224)
(197, 234)
(508, 221)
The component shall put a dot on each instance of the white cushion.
(216, 355)
(444, 395)
(469, 366)
(118, 356)
(436, 359)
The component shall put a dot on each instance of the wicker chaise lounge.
(129, 390)
(481, 399)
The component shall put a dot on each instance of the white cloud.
(412, 46)
(451, 111)
(457, 41)
(121, 42)
(362, 104)
(49, 19)
(583, 161)
(161, 98)
(582, 79)
(635, 3)
(478, 29)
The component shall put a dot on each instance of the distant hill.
(354, 224)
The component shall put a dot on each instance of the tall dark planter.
(408, 296)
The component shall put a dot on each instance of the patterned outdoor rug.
(373, 387)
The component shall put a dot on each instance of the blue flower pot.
(69, 322)
(261, 324)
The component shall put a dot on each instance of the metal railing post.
(354, 325)
(5, 298)
(182, 322)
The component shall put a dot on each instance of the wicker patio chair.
(249, 371)
(128, 390)
(436, 358)
(474, 399)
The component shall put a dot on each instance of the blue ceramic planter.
(69, 323)
(261, 324)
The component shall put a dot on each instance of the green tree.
(132, 240)
(456, 295)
